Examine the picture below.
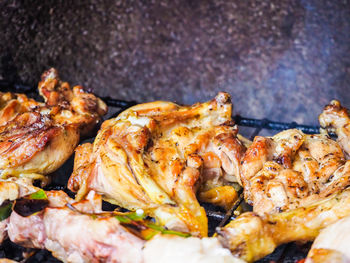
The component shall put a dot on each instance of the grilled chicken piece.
(252, 237)
(336, 116)
(155, 156)
(332, 244)
(12, 105)
(12, 189)
(84, 233)
(165, 248)
(292, 169)
(93, 240)
(75, 237)
(37, 138)
(76, 107)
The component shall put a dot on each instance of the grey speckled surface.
(279, 59)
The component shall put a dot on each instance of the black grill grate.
(216, 217)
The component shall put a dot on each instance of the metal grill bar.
(239, 120)
(118, 103)
(15, 87)
(215, 216)
(229, 215)
(242, 121)
(274, 125)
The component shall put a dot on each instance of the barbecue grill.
(216, 216)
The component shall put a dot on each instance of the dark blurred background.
(279, 59)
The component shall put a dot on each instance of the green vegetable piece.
(5, 210)
(180, 234)
(38, 195)
(123, 219)
(146, 229)
(155, 227)
(166, 231)
(135, 216)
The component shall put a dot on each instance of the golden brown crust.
(154, 156)
(38, 137)
(75, 105)
(80, 172)
(292, 169)
(252, 237)
(23, 137)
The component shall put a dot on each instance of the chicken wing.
(252, 237)
(155, 156)
(37, 138)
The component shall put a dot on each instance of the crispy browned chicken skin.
(37, 138)
(298, 185)
(155, 156)
(252, 237)
(292, 169)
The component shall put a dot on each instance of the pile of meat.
(160, 161)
